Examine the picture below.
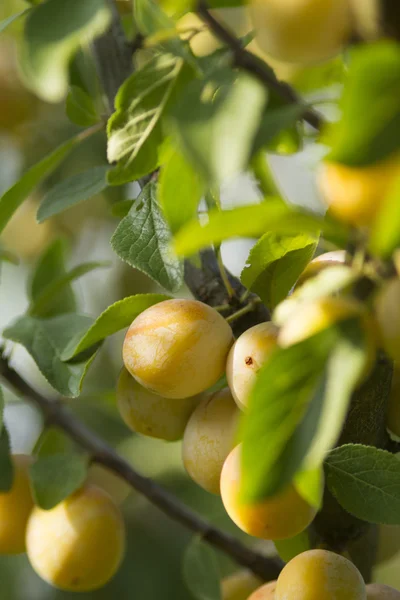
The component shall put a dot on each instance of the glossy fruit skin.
(279, 517)
(316, 315)
(150, 414)
(320, 575)
(177, 348)
(239, 585)
(301, 31)
(320, 263)
(209, 437)
(79, 544)
(247, 355)
(378, 591)
(15, 508)
(355, 195)
(265, 592)
(388, 317)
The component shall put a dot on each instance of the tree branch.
(58, 415)
(254, 65)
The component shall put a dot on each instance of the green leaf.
(274, 122)
(56, 477)
(6, 22)
(1, 409)
(179, 190)
(6, 465)
(200, 571)
(80, 107)
(385, 232)
(134, 130)
(46, 340)
(116, 317)
(275, 263)
(73, 190)
(51, 38)
(288, 549)
(216, 120)
(50, 267)
(249, 221)
(281, 417)
(366, 482)
(309, 484)
(52, 441)
(143, 240)
(14, 197)
(372, 88)
(46, 299)
(121, 209)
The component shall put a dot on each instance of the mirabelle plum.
(276, 518)
(265, 592)
(177, 348)
(378, 591)
(149, 414)
(320, 575)
(116, 487)
(388, 316)
(79, 544)
(301, 31)
(388, 543)
(318, 264)
(209, 437)
(15, 508)
(246, 357)
(316, 315)
(354, 195)
(239, 585)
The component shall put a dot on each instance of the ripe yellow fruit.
(316, 315)
(248, 354)
(355, 195)
(265, 592)
(388, 317)
(378, 591)
(320, 575)
(388, 543)
(318, 264)
(239, 585)
(79, 544)
(177, 348)
(149, 414)
(15, 508)
(301, 31)
(276, 518)
(209, 437)
(116, 487)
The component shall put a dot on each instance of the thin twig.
(57, 414)
(254, 65)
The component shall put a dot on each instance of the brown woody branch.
(58, 415)
(244, 59)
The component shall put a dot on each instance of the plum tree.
(318, 264)
(265, 592)
(316, 315)
(246, 357)
(378, 591)
(177, 348)
(388, 317)
(279, 517)
(209, 437)
(79, 544)
(239, 585)
(320, 575)
(149, 414)
(15, 508)
(355, 194)
(301, 31)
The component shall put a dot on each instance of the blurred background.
(29, 129)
